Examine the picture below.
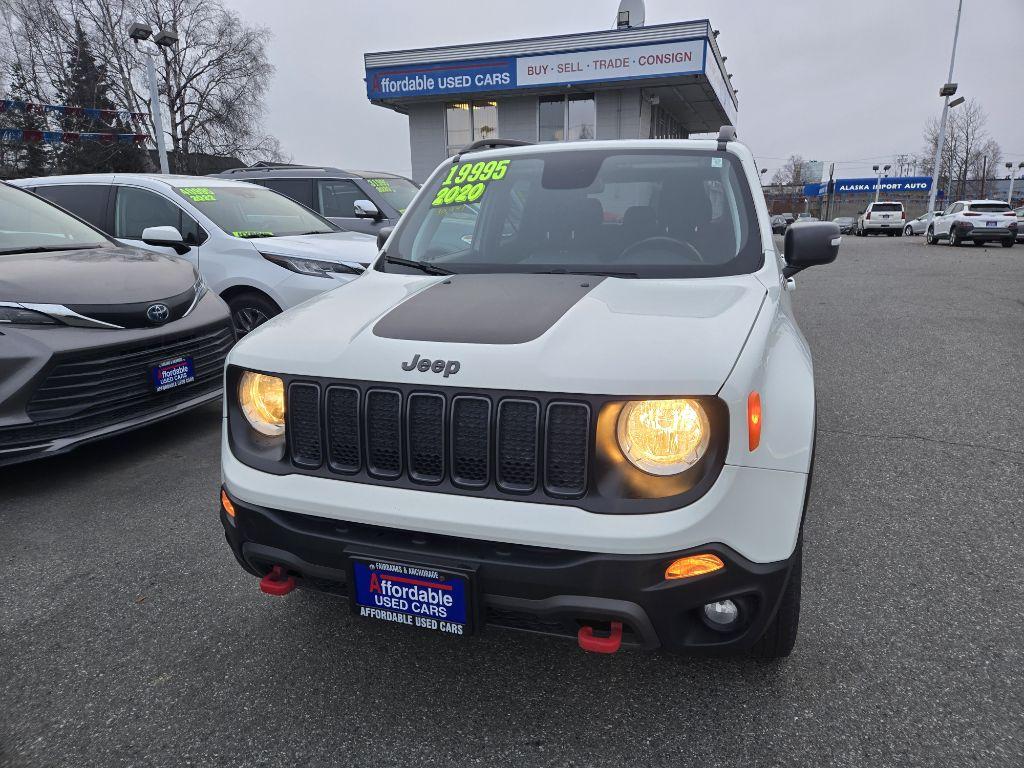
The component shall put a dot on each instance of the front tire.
(929, 237)
(1007, 243)
(908, 231)
(954, 239)
(250, 310)
(779, 638)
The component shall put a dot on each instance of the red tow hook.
(590, 642)
(277, 582)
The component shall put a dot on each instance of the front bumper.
(93, 369)
(536, 589)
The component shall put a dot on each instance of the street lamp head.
(1021, 165)
(957, 101)
(140, 31)
(166, 38)
(949, 89)
(1009, 165)
(886, 168)
(874, 168)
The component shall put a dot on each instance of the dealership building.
(664, 81)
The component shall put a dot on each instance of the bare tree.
(967, 151)
(790, 173)
(212, 85)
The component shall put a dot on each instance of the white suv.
(262, 252)
(593, 417)
(885, 218)
(974, 221)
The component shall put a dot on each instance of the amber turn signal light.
(694, 565)
(226, 503)
(754, 420)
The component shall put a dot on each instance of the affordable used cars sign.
(498, 74)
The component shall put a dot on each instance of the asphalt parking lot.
(129, 635)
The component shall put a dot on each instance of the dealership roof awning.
(679, 63)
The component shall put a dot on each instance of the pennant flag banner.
(14, 105)
(68, 137)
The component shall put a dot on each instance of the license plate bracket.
(420, 595)
(175, 372)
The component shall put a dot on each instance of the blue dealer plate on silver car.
(418, 596)
(173, 373)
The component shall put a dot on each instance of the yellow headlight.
(663, 437)
(261, 398)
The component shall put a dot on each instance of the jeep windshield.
(249, 211)
(632, 213)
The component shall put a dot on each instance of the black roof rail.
(479, 144)
(252, 168)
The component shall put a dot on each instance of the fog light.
(721, 615)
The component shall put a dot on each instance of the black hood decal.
(485, 309)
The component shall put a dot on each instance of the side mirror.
(168, 237)
(382, 236)
(366, 210)
(810, 243)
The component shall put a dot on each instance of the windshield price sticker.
(381, 185)
(467, 183)
(252, 233)
(199, 194)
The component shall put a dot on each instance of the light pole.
(1013, 177)
(165, 38)
(947, 90)
(878, 182)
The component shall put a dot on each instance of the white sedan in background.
(261, 251)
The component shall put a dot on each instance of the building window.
(567, 118)
(466, 122)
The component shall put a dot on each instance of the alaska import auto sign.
(509, 72)
(867, 185)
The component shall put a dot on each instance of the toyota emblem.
(158, 314)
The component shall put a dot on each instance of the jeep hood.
(554, 333)
(332, 246)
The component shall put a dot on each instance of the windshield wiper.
(49, 248)
(422, 266)
(598, 272)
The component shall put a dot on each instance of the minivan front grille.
(469, 441)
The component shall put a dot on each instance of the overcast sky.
(851, 82)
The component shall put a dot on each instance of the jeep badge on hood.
(448, 367)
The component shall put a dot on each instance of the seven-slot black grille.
(472, 441)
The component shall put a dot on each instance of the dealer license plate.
(173, 373)
(992, 223)
(418, 596)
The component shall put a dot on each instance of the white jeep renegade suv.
(570, 396)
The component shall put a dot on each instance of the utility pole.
(165, 38)
(949, 89)
(984, 174)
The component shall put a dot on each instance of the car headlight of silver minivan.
(11, 313)
(663, 437)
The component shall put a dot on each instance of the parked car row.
(259, 250)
